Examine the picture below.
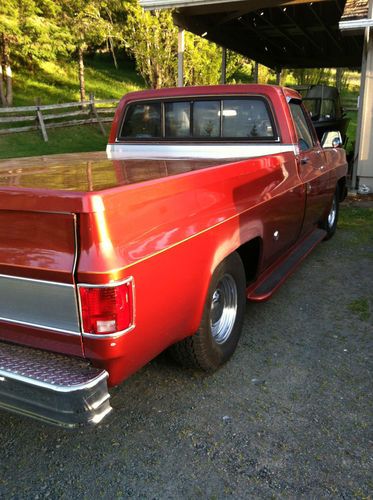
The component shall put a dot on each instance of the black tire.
(222, 319)
(331, 220)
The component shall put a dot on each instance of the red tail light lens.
(107, 310)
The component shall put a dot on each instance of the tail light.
(108, 309)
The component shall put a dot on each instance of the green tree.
(152, 39)
(87, 27)
(313, 76)
(9, 33)
(202, 61)
(29, 33)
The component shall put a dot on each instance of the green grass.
(361, 308)
(357, 220)
(357, 226)
(57, 82)
(61, 140)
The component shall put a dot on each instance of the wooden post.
(180, 57)
(338, 78)
(256, 72)
(223, 79)
(40, 119)
(278, 76)
(95, 114)
(363, 157)
(89, 176)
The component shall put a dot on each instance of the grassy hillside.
(58, 82)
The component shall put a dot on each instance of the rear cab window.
(143, 121)
(196, 119)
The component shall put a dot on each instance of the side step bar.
(57, 389)
(273, 278)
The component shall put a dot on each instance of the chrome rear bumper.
(57, 389)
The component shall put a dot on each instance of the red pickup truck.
(208, 196)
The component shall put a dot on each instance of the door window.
(305, 136)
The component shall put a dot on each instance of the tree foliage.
(29, 33)
(313, 76)
(83, 20)
(152, 39)
(32, 31)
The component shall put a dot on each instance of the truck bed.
(86, 172)
(114, 198)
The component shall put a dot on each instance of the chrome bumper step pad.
(57, 389)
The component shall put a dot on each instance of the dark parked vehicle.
(324, 104)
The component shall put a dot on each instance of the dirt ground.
(289, 416)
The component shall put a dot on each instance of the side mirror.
(331, 139)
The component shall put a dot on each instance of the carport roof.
(277, 33)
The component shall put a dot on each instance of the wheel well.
(250, 253)
(342, 188)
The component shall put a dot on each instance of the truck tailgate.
(38, 304)
(37, 245)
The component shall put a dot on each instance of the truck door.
(311, 166)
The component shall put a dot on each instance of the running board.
(273, 278)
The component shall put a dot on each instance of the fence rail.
(350, 103)
(92, 111)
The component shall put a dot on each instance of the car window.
(177, 119)
(142, 121)
(246, 118)
(206, 119)
(200, 119)
(327, 109)
(304, 133)
(313, 106)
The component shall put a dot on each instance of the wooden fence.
(99, 111)
(350, 103)
(43, 117)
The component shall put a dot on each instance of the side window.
(177, 119)
(304, 133)
(142, 121)
(206, 119)
(313, 107)
(327, 109)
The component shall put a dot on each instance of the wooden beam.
(363, 167)
(40, 119)
(257, 32)
(223, 78)
(180, 57)
(321, 23)
(283, 33)
(256, 72)
(303, 31)
(95, 114)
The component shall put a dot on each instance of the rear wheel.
(222, 319)
(330, 223)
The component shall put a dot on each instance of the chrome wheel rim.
(223, 309)
(332, 213)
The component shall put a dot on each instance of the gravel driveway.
(290, 415)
